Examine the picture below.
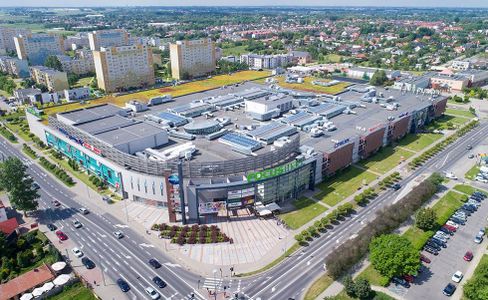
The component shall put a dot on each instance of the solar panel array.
(240, 141)
(173, 118)
(272, 131)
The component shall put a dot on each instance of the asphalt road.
(127, 257)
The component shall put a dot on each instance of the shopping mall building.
(221, 150)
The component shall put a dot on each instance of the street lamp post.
(215, 284)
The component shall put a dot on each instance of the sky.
(85, 3)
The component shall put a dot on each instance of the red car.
(409, 278)
(425, 259)
(468, 256)
(61, 235)
(450, 228)
(56, 203)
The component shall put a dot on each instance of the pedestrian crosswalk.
(214, 284)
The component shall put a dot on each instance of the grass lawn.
(373, 276)
(15, 128)
(306, 210)
(442, 122)
(318, 287)
(235, 51)
(467, 189)
(176, 91)
(75, 291)
(307, 85)
(446, 206)
(374, 295)
(459, 113)
(418, 142)
(417, 236)
(342, 185)
(332, 58)
(288, 252)
(479, 278)
(471, 174)
(84, 81)
(386, 159)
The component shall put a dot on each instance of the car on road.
(61, 235)
(35, 185)
(468, 256)
(118, 234)
(51, 227)
(400, 281)
(56, 203)
(83, 210)
(77, 252)
(88, 263)
(77, 224)
(431, 250)
(123, 285)
(453, 224)
(159, 282)
(449, 289)
(478, 238)
(456, 277)
(471, 156)
(396, 186)
(154, 263)
(469, 147)
(152, 293)
(425, 259)
(451, 175)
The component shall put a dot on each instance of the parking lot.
(436, 275)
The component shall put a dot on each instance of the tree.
(53, 62)
(378, 78)
(425, 219)
(349, 286)
(394, 255)
(362, 288)
(18, 185)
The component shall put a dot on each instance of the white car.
(451, 175)
(118, 234)
(478, 238)
(481, 179)
(152, 293)
(457, 276)
(77, 224)
(83, 210)
(454, 224)
(77, 252)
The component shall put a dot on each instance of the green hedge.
(57, 171)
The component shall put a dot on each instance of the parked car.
(478, 238)
(425, 259)
(460, 215)
(466, 212)
(481, 179)
(159, 282)
(446, 231)
(123, 285)
(450, 228)
(396, 186)
(409, 278)
(118, 234)
(440, 238)
(449, 289)
(457, 220)
(61, 235)
(152, 293)
(431, 250)
(438, 242)
(400, 281)
(77, 252)
(480, 194)
(77, 224)
(456, 277)
(453, 224)
(154, 263)
(446, 235)
(468, 256)
(51, 227)
(83, 210)
(433, 245)
(88, 263)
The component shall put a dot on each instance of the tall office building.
(37, 47)
(192, 58)
(120, 68)
(7, 35)
(108, 38)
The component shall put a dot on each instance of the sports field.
(175, 91)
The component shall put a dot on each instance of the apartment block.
(54, 80)
(192, 58)
(124, 67)
(7, 35)
(108, 38)
(449, 82)
(82, 63)
(37, 47)
(257, 62)
(77, 41)
(14, 66)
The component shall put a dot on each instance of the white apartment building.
(82, 63)
(460, 65)
(257, 62)
(124, 67)
(37, 47)
(108, 38)
(7, 35)
(192, 58)
(14, 66)
(76, 94)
